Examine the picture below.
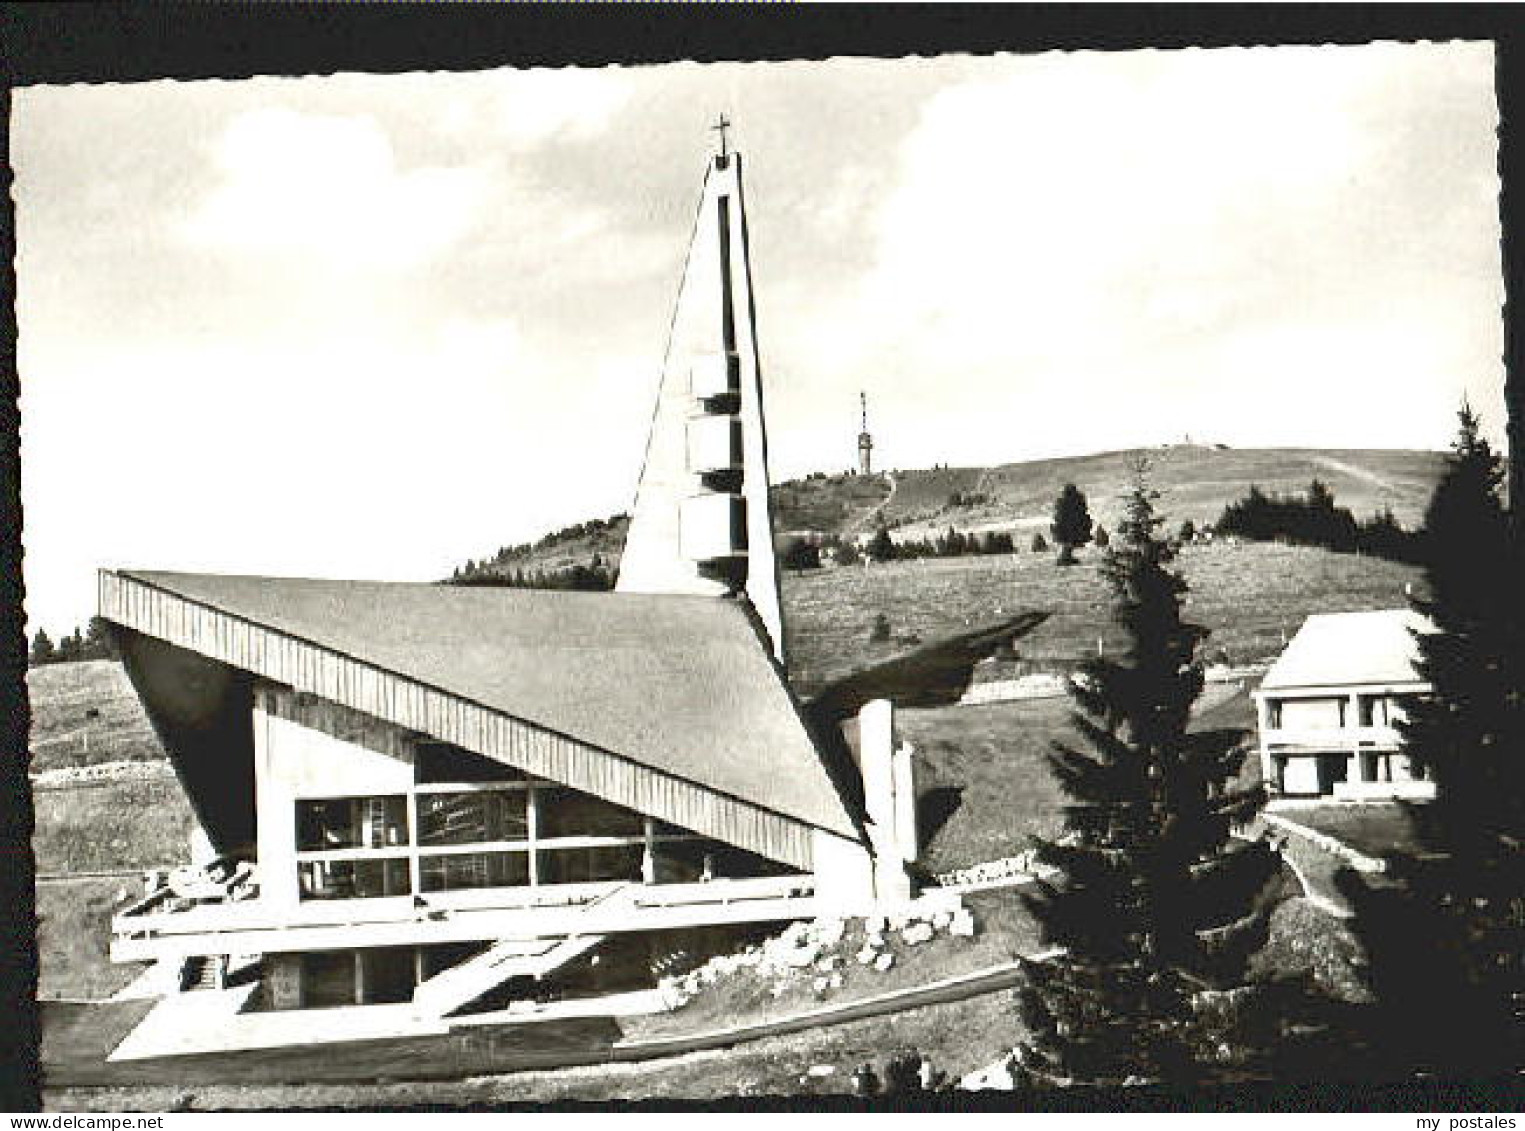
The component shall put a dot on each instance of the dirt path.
(1350, 469)
(863, 520)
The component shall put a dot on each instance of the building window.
(599, 864)
(471, 870)
(353, 879)
(471, 823)
(472, 818)
(352, 822)
(695, 860)
(1373, 710)
(443, 762)
(565, 812)
(328, 979)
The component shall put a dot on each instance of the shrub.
(801, 554)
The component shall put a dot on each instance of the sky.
(372, 326)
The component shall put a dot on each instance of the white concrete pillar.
(648, 851)
(415, 866)
(904, 778)
(1263, 723)
(532, 832)
(876, 746)
(876, 757)
(844, 875)
(277, 832)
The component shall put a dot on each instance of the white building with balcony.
(1327, 709)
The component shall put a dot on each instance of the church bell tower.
(702, 521)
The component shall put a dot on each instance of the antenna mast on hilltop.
(865, 441)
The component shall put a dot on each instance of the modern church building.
(456, 795)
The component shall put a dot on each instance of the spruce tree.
(1469, 734)
(43, 651)
(1152, 899)
(1071, 527)
(1446, 930)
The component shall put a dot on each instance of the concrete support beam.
(887, 811)
(844, 876)
(904, 780)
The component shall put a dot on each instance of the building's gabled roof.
(1346, 649)
(682, 685)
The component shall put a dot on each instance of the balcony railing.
(1333, 738)
(149, 931)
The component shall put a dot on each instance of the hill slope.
(87, 713)
(1195, 482)
(1251, 597)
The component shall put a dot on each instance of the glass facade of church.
(470, 823)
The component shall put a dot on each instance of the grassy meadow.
(1251, 596)
(1196, 480)
(112, 825)
(128, 823)
(65, 733)
(108, 826)
(73, 932)
(982, 777)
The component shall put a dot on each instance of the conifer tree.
(1152, 899)
(1470, 734)
(43, 651)
(1071, 527)
(1447, 930)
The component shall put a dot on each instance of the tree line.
(493, 569)
(94, 643)
(952, 543)
(595, 577)
(1314, 519)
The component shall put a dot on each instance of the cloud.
(534, 107)
(327, 187)
(1074, 241)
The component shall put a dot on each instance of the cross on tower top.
(721, 126)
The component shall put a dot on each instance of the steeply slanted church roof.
(1346, 649)
(678, 684)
